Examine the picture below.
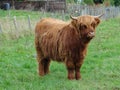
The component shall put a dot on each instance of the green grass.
(100, 71)
(19, 13)
(32, 14)
(8, 22)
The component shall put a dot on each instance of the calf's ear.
(97, 20)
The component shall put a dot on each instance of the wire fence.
(18, 24)
(26, 23)
(14, 27)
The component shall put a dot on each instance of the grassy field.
(100, 71)
(33, 14)
(20, 13)
(16, 21)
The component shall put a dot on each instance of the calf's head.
(86, 25)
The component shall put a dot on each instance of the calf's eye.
(93, 25)
(82, 27)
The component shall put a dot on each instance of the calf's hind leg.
(39, 59)
(41, 68)
(43, 63)
(40, 63)
(39, 55)
(46, 65)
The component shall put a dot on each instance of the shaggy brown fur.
(64, 42)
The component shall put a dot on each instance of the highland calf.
(64, 42)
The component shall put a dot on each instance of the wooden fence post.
(8, 13)
(16, 26)
(15, 23)
(29, 22)
(0, 28)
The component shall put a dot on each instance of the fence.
(25, 23)
(110, 12)
(18, 24)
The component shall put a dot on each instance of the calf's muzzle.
(91, 34)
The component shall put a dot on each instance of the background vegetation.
(100, 71)
(90, 2)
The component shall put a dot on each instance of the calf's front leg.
(77, 72)
(70, 68)
(78, 65)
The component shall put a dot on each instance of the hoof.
(41, 74)
(71, 77)
(78, 77)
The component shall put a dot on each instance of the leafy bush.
(117, 2)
